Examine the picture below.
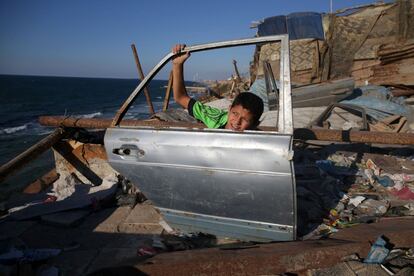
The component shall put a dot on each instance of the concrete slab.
(113, 220)
(143, 219)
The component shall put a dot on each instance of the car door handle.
(129, 150)
(122, 151)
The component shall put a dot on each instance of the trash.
(322, 231)
(329, 167)
(158, 243)
(147, 251)
(405, 193)
(369, 175)
(372, 207)
(371, 165)
(378, 252)
(355, 201)
(85, 195)
(65, 187)
(189, 241)
(385, 181)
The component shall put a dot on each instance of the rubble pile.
(339, 188)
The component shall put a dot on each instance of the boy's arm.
(180, 94)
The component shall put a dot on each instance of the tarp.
(298, 25)
(377, 102)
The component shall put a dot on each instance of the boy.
(244, 113)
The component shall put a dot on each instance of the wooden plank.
(391, 119)
(400, 125)
(42, 183)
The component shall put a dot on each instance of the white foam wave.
(91, 115)
(31, 128)
(11, 130)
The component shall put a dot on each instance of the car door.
(233, 184)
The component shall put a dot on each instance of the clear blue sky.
(92, 38)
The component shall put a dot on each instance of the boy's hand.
(181, 58)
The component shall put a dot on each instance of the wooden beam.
(42, 182)
(299, 133)
(141, 77)
(168, 92)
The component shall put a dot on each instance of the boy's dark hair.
(251, 102)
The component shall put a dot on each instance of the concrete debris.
(66, 195)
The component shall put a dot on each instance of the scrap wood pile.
(374, 108)
(371, 43)
(339, 186)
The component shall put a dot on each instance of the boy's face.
(239, 118)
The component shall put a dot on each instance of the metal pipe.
(141, 77)
(299, 133)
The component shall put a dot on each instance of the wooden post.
(31, 153)
(168, 92)
(236, 70)
(141, 76)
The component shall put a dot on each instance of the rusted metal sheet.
(31, 153)
(299, 133)
(354, 136)
(105, 123)
(278, 258)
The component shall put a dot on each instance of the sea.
(24, 98)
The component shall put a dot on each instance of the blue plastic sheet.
(377, 102)
(298, 25)
(378, 252)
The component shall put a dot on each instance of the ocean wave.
(91, 115)
(11, 130)
(31, 128)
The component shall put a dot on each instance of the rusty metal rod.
(31, 153)
(299, 133)
(168, 92)
(141, 77)
(95, 123)
(353, 136)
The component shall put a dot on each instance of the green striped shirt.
(212, 117)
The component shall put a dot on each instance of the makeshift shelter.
(372, 43)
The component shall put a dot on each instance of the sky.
(92, 38)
